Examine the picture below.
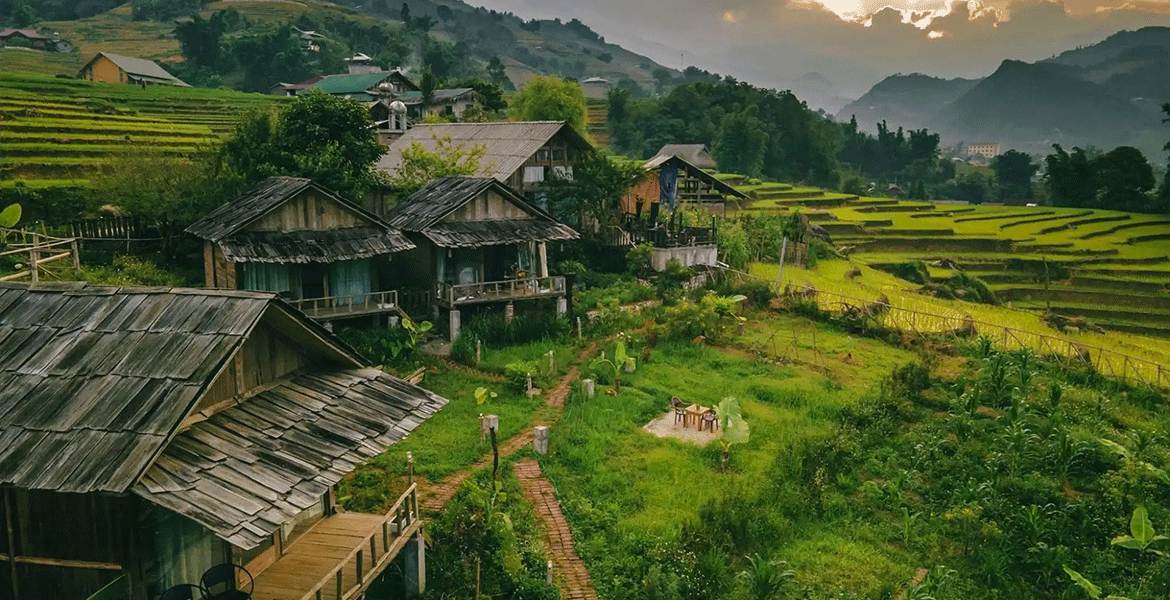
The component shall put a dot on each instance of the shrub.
(516, 375)
(463, 349)
(638, 260)
(908, 382)
(914, 271)
(494, 330)
(670, 282)
(712, 317)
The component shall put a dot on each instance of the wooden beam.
(61, 562)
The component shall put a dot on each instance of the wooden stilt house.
(327, 256)
(150, 434)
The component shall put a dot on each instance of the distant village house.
(987, 150)
(689, 185)
(522, 155)
(115, 68)
(31, 38)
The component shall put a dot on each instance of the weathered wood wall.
(218, 271)
(308, 211)
(263, 358)
(84, 538)
(179, 551)
(488, 206)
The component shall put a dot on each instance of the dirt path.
(569, 571)
(435, 496)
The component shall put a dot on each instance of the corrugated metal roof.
(250, 468)
(350, 83)
(325, 246)
(141, 67)
(94, 379)
(508, 144)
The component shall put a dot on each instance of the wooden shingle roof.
(424, 210)
(93, 380)
(507, 145)
(250, 468)
(226, 225)
(694, 171)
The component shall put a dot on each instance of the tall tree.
(1164, 191)
(595, 190)
(1070, 178)
(739, 148)
(1013, 172)
(323, 137)
(1125, 177)
(550, 99)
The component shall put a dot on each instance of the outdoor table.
(695, 412)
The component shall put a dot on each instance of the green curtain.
(349, 281)
(267, 277)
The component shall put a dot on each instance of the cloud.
(775, 43)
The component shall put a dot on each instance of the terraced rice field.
(63, 130)
(1109, 267)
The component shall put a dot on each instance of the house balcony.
(341, 555)
(451, 296)
(343, 307)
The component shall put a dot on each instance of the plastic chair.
(183, 591)
(710, 420)
(219, 583)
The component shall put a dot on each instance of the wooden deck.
(341, 555)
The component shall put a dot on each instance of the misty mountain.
(1105, 95)
(908, 101)
(1032, 106)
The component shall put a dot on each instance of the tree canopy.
(550, 99)
(420, 165)
(1013, 172)
(1121, 179)
(594, 191)
(323, 137)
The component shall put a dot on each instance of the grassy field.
(1109, 267)
(60, 131)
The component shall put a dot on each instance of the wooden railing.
(467, 293)
(340, 306)
(399, 524)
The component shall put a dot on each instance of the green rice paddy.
(1109, 267)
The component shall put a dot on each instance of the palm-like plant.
(620, 361)
(734, 428)
(765, 579)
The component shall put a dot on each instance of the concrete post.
(509, 312)
(562, 307)
(579, 338)
(587, 385)
(415, 567)
(453, 324)
(552, 361)
(540, 439)
(478, 352)
(486, 424)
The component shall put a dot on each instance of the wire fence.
(921, 324)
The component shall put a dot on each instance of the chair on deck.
(183, 591)
(219, 583)
(680, 410)
(710, 421)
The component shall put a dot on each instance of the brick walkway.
(569, 570)
(574, 578)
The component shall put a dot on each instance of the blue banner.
(668, 185)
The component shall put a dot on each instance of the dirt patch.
(666, 427)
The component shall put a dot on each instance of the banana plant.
(10, 215)
(621, 360)
(734, 429)
(482, 395)
(1141, 534)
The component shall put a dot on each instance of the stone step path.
(568, 568)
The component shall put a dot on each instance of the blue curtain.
(668, 185)
(349, 281)
(266, 277)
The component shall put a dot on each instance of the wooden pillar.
(9, 523)
(34, 256)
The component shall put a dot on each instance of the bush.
(131, 270)
(914, 271)
(853, 186)
(516, 375)
(638, 260)
(492, 329)
(463, 349)
(712, 317)
(670, 282)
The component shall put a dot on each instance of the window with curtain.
(267, 277)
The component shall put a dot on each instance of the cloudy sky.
(851, 43)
